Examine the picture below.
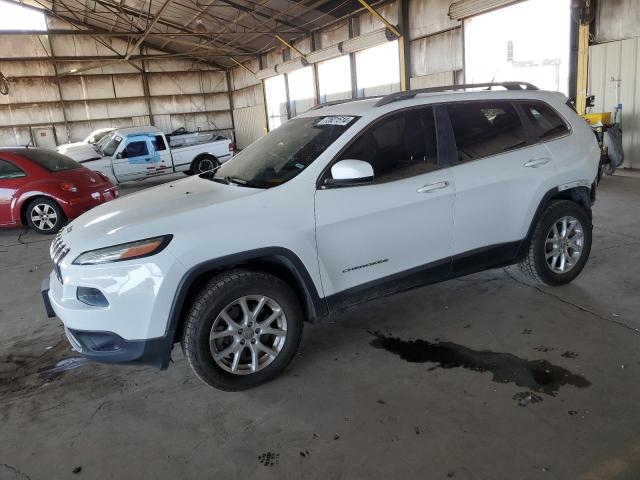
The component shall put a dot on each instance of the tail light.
(232, 146)
(68, 187)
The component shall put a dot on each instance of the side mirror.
(121, 155)
(350, 172)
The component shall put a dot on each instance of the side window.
(546, 120)
(9, 170)
(158, 143)
(135, 149)
(399, 146)
(482, 129)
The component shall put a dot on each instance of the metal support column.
(352, 60)
(145, 87)
(230, 94)
(314, 66)
(583, 65)
(403, 45)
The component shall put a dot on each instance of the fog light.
(92, 296)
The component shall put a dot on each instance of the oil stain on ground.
(536, 375)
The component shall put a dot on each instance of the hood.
(155, 211)
(78, 152)
(65, 147)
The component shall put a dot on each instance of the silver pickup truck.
(136, 153)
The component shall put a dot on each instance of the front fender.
(315, 306)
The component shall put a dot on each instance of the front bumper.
(108, 347)
(133, 326)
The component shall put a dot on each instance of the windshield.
(285, 152)
(49, 160)
(109, 144)
(95, 138)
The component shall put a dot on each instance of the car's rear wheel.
(45, 216)
(560, 245)
(243, 329)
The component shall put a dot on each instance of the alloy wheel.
(248, 334)
(564, 244)
(44, 217)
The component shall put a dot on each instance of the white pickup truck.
(136, 153)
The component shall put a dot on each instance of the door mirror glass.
(347, 172)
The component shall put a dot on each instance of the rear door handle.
(537, 162)
(432, 187)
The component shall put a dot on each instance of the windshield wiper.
(236, 180)
(231, 180)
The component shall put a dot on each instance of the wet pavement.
(483, 377)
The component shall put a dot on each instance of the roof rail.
(338, 102)
(394, 97)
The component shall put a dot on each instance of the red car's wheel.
(45, 216)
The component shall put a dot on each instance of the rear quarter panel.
(576, 155)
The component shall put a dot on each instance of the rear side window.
(158, 143)
(546, 121)
(135, 149)
(8, 170)
(482, 129)
(49, 160)
(399, 146)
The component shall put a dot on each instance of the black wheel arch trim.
(579, 194)
(315, 306)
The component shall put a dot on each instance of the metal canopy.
(213, 31)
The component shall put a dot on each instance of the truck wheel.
(204, 164)
(45, 216)
(560, 245)
(243, 329)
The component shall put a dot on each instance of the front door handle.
(432, 187)
(537, 162)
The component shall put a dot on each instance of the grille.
(58, 251)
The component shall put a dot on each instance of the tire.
(540, 264)
(204, 164)
(45, 216)
(236, 335)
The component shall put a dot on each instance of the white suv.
(343, 204)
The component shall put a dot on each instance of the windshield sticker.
(336, 120)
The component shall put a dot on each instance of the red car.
(42, 189)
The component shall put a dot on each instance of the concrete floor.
(347, 407)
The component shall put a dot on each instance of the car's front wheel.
(45, 216)
(243, 329)
(560, 245)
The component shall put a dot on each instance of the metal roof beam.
(98, 33)
(263, 15)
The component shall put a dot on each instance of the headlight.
(124, 251)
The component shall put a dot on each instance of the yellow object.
(375, 13)
(593, 118)
(287, 44)
(583, 64)
(403, 65)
